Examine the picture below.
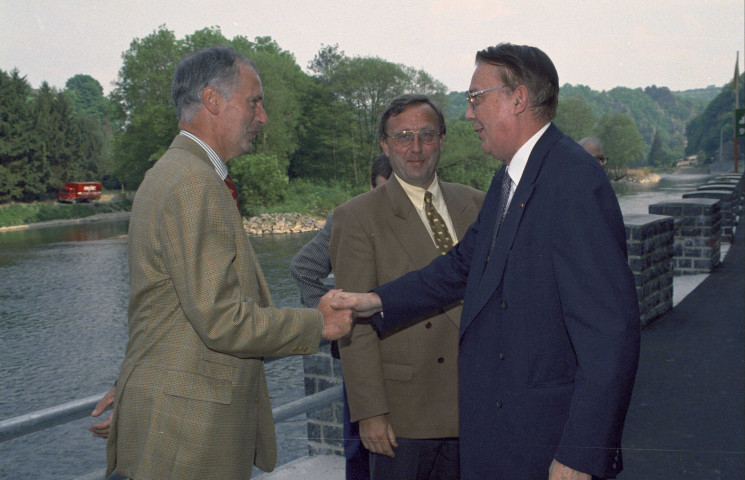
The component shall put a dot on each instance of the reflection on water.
(63, 310)
(636, 197)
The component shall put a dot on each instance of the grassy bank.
(13, 214)
(300, 197)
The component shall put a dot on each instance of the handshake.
(340, 308)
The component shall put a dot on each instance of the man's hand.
(101, 430)
(363, 304)
(336, 322)
(558, 471)
(378, 436)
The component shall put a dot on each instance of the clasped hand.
(363, 304)
(337, 322)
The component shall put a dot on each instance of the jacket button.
(428, 325)
(440, 360)
(503, 305)
(499, 404)
(501, 356)
(614, 466)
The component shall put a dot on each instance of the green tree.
(143, 141)
(715, 122)
(463, 160)
(575, 118)
(622, 143)
(656, 156)
(91, 130)
(146, 73)
(86, 97)
(16, 132)
(360, 88)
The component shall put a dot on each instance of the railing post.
(649, 239)
(325, 425)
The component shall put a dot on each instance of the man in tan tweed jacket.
(403, 387)
(191, 398)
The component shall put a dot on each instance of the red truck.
(74, 192)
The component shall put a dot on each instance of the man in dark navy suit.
(549, 334)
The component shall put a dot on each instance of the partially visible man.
(549, 335)
(594, 147)
(310, 267)
(191, 397)
(402, 387)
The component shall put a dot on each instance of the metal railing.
(81, 408)
(77, 409)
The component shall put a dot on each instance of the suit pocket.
(394, 371)
(219, 358)
(215, 365)
(198, 387)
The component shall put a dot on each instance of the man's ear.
(521, 98)
(384, 146)
(211, 100)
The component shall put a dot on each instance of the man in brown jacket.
(403, 388)
(191, 398)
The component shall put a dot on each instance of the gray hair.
(529, 66)
(593, 141)
(216, 67)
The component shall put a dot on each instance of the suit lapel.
(407, 226)
(491, 278)
(458, 209)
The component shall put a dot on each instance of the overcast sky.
(681, 44)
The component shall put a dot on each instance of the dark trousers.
(358, 461)
(418, 459)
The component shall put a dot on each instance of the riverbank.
(640, 176)
(265, 224)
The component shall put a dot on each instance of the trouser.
(418, 459)
(358, 461)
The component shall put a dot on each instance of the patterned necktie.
(504, 197)
(443, 240)
(233, 191)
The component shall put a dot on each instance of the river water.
(63, 329)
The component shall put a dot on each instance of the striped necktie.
(233, 191)
(440, 232)
(502, 208)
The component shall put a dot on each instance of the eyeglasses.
(404, 138)
(472, 96)
(602, 159)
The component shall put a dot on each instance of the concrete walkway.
(687, 415)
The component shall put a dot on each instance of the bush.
(314, 199)
(261, 181)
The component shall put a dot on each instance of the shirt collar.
(219, 165)
(416, 194)
(520, 159)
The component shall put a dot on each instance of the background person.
(594, 147)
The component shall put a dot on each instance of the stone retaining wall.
(650, 240)
(729, 206)
(697, 233)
